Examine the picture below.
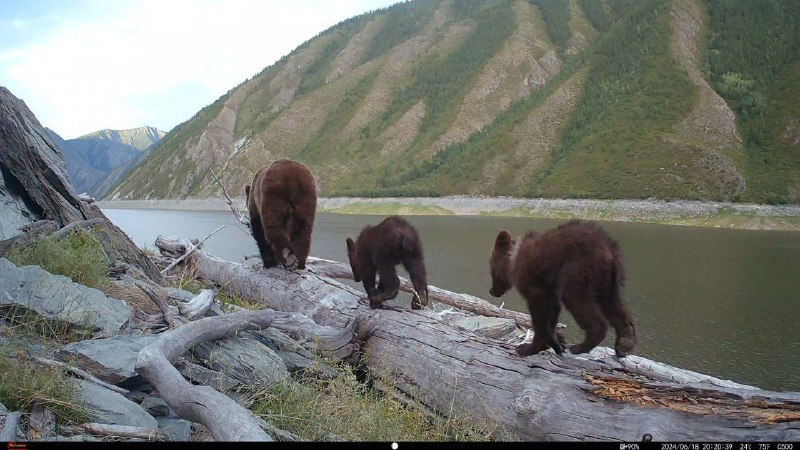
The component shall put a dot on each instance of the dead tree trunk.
(541, 397)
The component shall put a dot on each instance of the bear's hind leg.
(301, 241)
(304, 212)
(267, 256)
(586, 312)
(620, 318)
(275, 222)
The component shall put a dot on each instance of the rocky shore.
(678, 212)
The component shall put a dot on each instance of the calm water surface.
(721, 302)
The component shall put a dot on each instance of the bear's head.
(500, 263)
(355, 260)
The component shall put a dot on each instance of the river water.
(721, 302)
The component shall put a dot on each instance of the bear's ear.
(351, 246)
(247, 190)
(503, 241)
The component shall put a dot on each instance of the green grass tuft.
(23, 383)
(79, 256)
(315, 409)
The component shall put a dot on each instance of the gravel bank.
(730, 215)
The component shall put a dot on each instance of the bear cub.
(282, 202)
(379, 249)
(576, 265)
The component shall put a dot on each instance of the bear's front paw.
(375, 302)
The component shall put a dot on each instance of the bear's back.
(575, 242)
(392, 238)
(286, 179)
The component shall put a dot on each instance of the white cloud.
(156, 63)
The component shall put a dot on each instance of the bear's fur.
(379, 249)
(576, 265)
(282, 202)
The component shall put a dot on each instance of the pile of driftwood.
(421, 356)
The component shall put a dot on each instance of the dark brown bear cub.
(282, 202)
(576, 265)
(378, 250)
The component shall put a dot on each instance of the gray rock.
(155, 406)
(14, 213)
(491, 327)
(110, 359)
(33, 167)
(175, 428)
(56, 297)
(244, 359)
(112, 408)
(3, 410)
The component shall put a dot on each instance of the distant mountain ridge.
(98, 161)
(683, 99)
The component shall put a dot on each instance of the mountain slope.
(580, 98)
(98, 161)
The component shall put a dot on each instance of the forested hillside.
(669, 99)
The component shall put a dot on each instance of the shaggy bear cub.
(576, 265)
(379, 249)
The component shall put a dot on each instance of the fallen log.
(466, 302)
(540, 397)
(224, 418)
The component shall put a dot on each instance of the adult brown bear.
(378, 250)
(576, 265)
(282, 202)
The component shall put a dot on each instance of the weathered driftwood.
(41, 422)
(197, 306)
(81, 373)
(9, 432)
(122, 431)
(224, 418)
(75, 225)
(191, 249)
(541, 397)
(85, 197)
(169, 312)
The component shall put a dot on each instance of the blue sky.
(87, 65)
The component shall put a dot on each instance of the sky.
(87, 65)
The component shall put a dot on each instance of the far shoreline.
(676, 212)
